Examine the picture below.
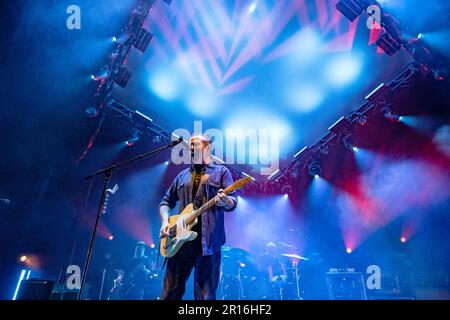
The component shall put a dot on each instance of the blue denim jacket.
(213, 228)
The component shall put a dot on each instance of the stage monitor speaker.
(35, 289)
(346, 285)
(60, 292)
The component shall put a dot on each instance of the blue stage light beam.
(202, 102)
(305, 97)
(24, 274)
(420, 123)
(165, 85)
(343, 70)
(252, 7)
(365, 159)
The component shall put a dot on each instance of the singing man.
(203, 254)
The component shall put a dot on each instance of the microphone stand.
(107, 172)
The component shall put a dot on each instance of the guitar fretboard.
(210, 203)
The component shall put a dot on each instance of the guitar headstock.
(238, 184)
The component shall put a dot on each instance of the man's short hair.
(141, 244)
(200, 138)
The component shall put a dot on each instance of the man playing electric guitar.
(201, 182)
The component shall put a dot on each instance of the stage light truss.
(341, 131)
(391, 40)
(146, 124)
(351, 9)
(134, 36)
(138, 119)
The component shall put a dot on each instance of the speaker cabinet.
(35, 289)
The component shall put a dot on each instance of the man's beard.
(196, 156)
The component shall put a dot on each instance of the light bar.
(144, 116)
(298, 153)
(247, 175)
(273, 174)
(336, 123)
(22, 275)
(376, 92)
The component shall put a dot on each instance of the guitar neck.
(210, 203)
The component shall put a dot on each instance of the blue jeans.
(179, 268)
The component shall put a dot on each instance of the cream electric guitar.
(180, 225)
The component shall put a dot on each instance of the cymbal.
(236, 255)
(294, 256)
(281, 277)
(229, 251)
(287, 245)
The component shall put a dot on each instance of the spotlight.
(102, 74)
(136, 135)
(437, 62)
(92, 111)
(348, 142)
(23, 258)
(351, 9)
(166, 163)
(252, 7)
(314, 169)
(349, 250)
(110, 238)
(120, 38)
(143, 39)
(152, 246)
(286, 189)
(403, 239)
(390, 115)
(440, 74)
(362, 120)
(388, 44)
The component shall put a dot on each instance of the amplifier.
(346, 285)
(60, 292)
(35, 289)
(430, 279)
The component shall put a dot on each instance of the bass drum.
(259, 289)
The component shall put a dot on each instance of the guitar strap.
(198, 199)
(197, 202)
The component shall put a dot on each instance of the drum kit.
(241, 279)
(121, 288)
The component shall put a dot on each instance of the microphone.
(174, 143)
